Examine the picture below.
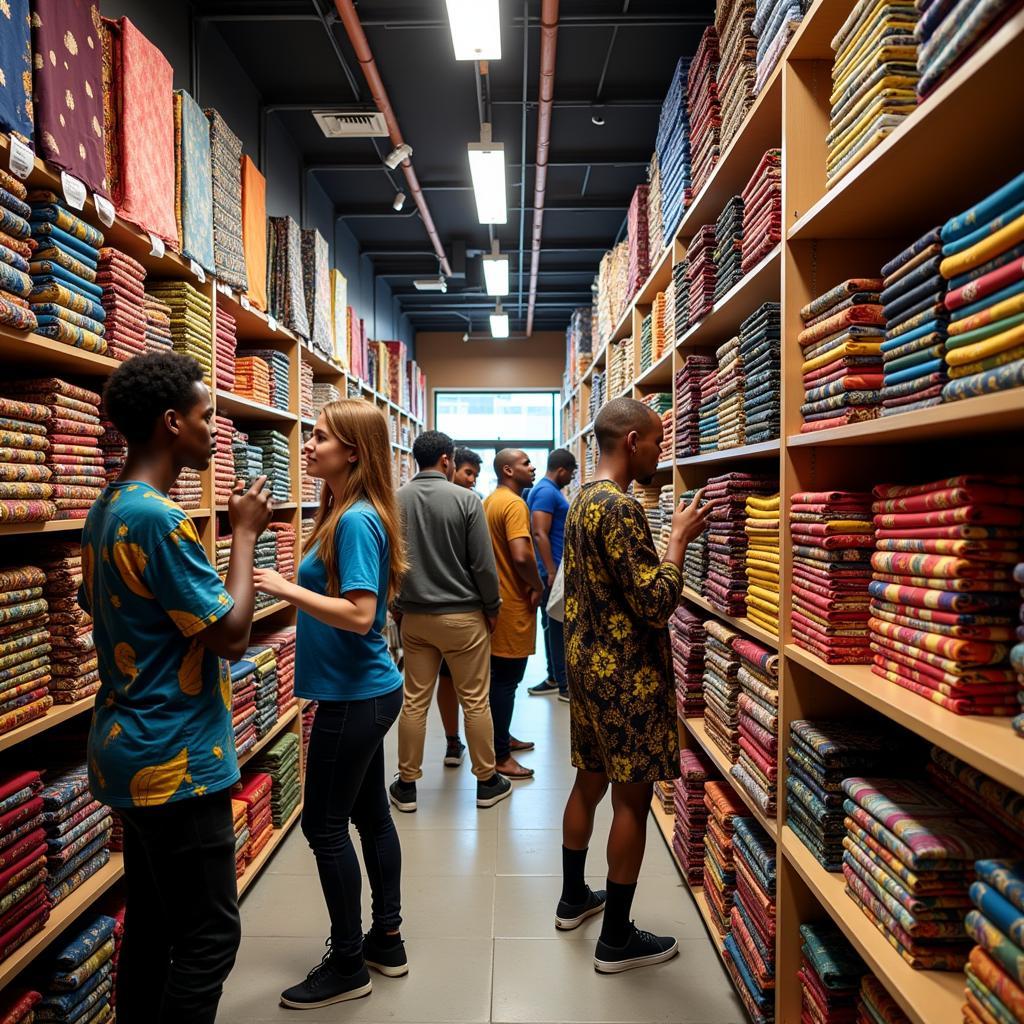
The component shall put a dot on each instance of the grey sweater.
(451, 561)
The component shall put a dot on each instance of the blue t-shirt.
(161, 731)
(336, 664)
(546, 497)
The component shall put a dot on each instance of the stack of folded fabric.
(664, 793)
(265, 660)
(729, 246)
(820, 755)
(707, 425)
(876, 1006)
(775, 21)
(252, 379)
(598, 394)
(842, 343)
(1017, 651)
(688, 401)
(668, 436)
(80, 981)
(647, 342)
(306, 405)
(124, 295)
(830, 975)
(226, 173)
(731, 384)
(943, 607)
(239, 823)
(874, 76)
(691, 814)
(276, 462)
(286, 293)
(191, 321)
(930, 844)
(225, 344)
(283, 643)
(74, 429)
(756, 767)
(647, 496)
(115, 450)
(695, 561)
(654, 225)
(681, 290)
(995, 975)
(222, 556)
(667, 321)
(982, 265)
(76, 840)
(309, 486)
(722, 688)
(762, 210)
(762, 569)
(254, 791)
(24, 647)
(760, 350)
(64, 297)
(701, 273)
(265, 557)
(193, 185)
(16, 250)
(667, 504)
(26, 482)
(737, 71)
(703, 109)
(723, 808)
(187, 490)
(673, 149)
(223, 460)
(832, 539)
(639, 255)
(750, 945)
(726, 583)
(620, 367)
(17, 1005)
(686, 631)
(281, 763)
(285, 548)
(279, 374)
(243, 704)
(316, 283)
(158, 325)
(73, 661)
(23, 895)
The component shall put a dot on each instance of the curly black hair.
(141, 390)
(464, 456)
(428, 448)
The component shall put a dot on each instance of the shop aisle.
(479, 891)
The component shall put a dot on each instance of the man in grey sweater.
(448, 606)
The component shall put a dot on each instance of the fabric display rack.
(846, 366)
(77, 296)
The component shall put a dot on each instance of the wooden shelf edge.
(271, 609)
(646, 378)
(55, 716)
(744, 624)
(245, 406)
(748, 451)
(252, 870)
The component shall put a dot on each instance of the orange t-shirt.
(516, 633)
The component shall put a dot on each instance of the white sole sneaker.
(567, 924)
(404, 806)
(618, 966)
(356, 993)
(388, 972)
(490, 801)
(454, 762)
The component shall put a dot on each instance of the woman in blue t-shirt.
(355, 562)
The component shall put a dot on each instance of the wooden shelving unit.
(742, 623)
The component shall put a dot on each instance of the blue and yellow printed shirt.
(162, 726)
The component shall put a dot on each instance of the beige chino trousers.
(464, 641)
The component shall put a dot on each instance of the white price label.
(244, 299)
(224, 289)
(104, 209)
(197, 270)
(74, 191)
(22, 159)
(271, 322)
(156, 246)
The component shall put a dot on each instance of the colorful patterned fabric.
(316, 286)
(226, 157)
(254, 232)
(1003, 950)
(16, 112)
(193, 181)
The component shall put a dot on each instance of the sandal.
(520, 745)
(516, 774)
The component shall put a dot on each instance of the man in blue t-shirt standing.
(548, 508)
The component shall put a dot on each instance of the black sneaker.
(563, 696)
(493, 792)
(641, 950)
(390, 961)
(403, 795)
(571, 915)
(456, 752)
(545, 689)
(326, 985)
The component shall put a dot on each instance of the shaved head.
(513, 469)
(506, 457)
(620, 417)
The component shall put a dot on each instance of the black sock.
(454, 736)
(383, 940)
(574, 865)
(616, 928)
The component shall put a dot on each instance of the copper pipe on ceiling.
(357, 37)
(545, 98)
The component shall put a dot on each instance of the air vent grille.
(351, 124)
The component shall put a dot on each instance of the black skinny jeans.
(506, 675)
(181, 929)
(345, 782)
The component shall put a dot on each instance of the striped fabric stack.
(719, 865)
(687, 635)
(15, 254)
(668, 436)
(265, 557)
(124, 297)
(305, 390)
(281, 763)
(188, 490)
(762, 210)
(287, 297)
(248, 458)
(761, 353)
(316, 286)
(731, 385)
(309, 486)
(654, 223)
(681, 290)
(738, 69)
(647, 342)
(691, 814)
(158, 325)
(695, 561)
(874, 1003)
(226, 164)
(729, 246)
(775, 21)
(673, 150)
(265, 660)
(762, 568)
(191, 321)
(252, 379)
(24, 647)
(322, 395)
(73, 662)
(704, 109)
(830, 975)
(279, 369)
(254, 791)
(620, 367)
(308, 522)
(1017, 651)
(223, 460)
(669, 316)
(639, 254)
(688, 400)
(227, 342)
(701, 273)
(79, 982)
(756, 767)
(647, 496)
(285, 548)
(115, 451)
(666, 506)
(283, 643)
(276, 462)
(222, 556)
(598, 394)
(23, 848)
(722, 688)
(26, 482)
(708, 429)
(241, 828)
(243, 705)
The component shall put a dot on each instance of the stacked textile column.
(26, 482)
(654, 223)
(1017, 651)
(723, 808)
(285, 548)
(874, 1003)
(672, 145)
(943, 608)
(23, 849)
(666, 506)
(309, 486)
(668, 435)
(281, 763)
(728, 246)
(283, 643)
(830, 974)
(704, 110)
(701, 273)
(191, 321)
(222, 556)
(306, 406)
(774, 23)
(276, 461)
(15, 254)
(115, 451)
(686, 631)
(688, 401)
(681, 289)
(316, 283)
(223, 460)
(187, 490)
(122, 281)
(226, 169)
(647, 496)
(248, 458)
(598, 394)
(158, 325)
(279, 375)
(193, 192)
(737, 71)
(833, 537)
(842, 343)
(762, 210)
(721, 688)
(239, 823)
(755, 768)
(287, 296)
(80, 980)
(252, 379)
(762, 568)
(264, 658)
(647, 342)
(731, 381)
(695, 561)
(226, 343)
(708, 428)
(73, 660)
(691, 814)
(265, 557)
(243, 704)
(254, 791)
(24, 647)
(637, 234)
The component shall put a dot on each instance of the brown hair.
(361, 426)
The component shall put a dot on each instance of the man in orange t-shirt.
(515, 637)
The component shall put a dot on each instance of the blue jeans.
(345, 781)
(554, 643)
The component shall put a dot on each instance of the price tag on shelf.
(104, 209)
(22, 159)
(244, 300)
(271, 322)
(197, 270)
(74, 191)
(224, 288)
(156, 246)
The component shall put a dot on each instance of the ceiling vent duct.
(352, 124)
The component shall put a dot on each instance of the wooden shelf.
(927, 997)
(33, 351)
(252, 327)
(238, 407)
(762, 284)
(659, 373)
(253, 869)
(322, 367)
(763, 450)
(271, 609)
(264, 741)
(918, 177)
(61, 917)
(759, 633)
(55, 716)
(813, 37)
(69, 525)
(307, 421)
(989, 744)
(1001, 411)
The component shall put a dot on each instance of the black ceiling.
(618, 53)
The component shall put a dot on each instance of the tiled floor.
(479, 890)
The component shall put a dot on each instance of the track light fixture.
(399, 201)
(397, 156)
(597, 116)
(499, 322)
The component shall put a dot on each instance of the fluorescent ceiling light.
(496, 274)
(476, 32)
(487, 168)
(499, 323)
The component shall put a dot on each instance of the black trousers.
(181, 929)
(345, 781)
(506, 675)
